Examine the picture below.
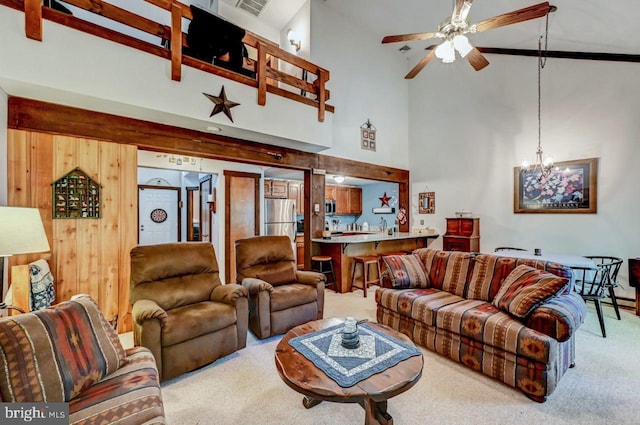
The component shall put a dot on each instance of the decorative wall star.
(385, 200)
(222, 104)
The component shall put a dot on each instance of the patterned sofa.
(511, 319)
(70, 354)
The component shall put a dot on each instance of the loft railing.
(269, 78)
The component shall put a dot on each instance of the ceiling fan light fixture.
(462, 45)
(446, 52)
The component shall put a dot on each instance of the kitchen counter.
(342, 249)
(355, 237)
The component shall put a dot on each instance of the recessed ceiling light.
(213, 129)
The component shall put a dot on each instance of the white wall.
(3, 147)
(158, 160)
(469, 130)
(367, 81)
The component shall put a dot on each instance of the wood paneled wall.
(88, 256)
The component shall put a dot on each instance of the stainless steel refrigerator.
(280, 218)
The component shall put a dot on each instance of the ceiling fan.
(454, 28)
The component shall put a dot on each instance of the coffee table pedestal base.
(375, 412)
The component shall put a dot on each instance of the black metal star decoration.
(222, 104)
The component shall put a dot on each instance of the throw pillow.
(279, 277)
(525, 288)
(404, 271)
(53, 354)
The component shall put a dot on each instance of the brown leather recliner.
(181, 310)
(280, 296)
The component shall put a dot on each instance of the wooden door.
(242, 214)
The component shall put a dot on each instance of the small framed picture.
(365, 144)
(372, 145)
(372, 135)
(365, 134)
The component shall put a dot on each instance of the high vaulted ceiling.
(578, 25)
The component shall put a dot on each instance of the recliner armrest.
(310, 278)
(229, 294)
(255, 285)
(146, 309)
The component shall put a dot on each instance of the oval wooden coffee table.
(372, 393)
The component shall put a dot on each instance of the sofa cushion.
(526, 288)
(446, 270)
(404, 271)
(482, 322)
(54, 354)
(419, 304)
(129, 396)
(278, 277)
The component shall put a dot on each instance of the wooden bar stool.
(367, 261)
(320, 262)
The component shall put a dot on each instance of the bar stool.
(367, 261)
(322, 261)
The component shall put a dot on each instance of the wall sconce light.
(293, 39)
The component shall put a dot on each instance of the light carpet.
(245, 388)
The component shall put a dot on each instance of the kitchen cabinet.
(463, 234)
(330, 192)
(296, 192)
(276, 188)
(300, 252)
(348, 200)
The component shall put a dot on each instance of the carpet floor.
(245, 388)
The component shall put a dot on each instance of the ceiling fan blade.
(520, 15)
(461, 10)
(425, 60)
(408, 37)
(477, 59)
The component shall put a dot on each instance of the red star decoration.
(385, 200)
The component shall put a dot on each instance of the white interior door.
(158, 215)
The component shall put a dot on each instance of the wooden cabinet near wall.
(348, 200)
(330, 192)
(463, 234)
(275, 188)
(300, 252)
(296, 192)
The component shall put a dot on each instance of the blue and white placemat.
(376, 353)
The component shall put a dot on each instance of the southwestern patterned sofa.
(70, 354)
(511, 319)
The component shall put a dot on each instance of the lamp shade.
(21, 231)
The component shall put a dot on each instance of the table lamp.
(21, 232)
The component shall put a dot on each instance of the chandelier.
(543, 165)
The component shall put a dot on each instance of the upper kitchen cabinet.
(296, 192)
(330, 192)
(276, 189)
(348, 199)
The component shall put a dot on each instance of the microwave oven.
(329, 207)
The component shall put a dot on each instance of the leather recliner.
(280, 296)
(181, 310)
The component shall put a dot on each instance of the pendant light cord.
(542, 62)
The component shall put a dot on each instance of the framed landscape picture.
(570, 188)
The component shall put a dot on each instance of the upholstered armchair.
(280, 296)
(181, 310)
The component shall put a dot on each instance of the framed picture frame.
(427, 203)
(571, 188)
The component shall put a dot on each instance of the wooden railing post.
(323, 76)
(33, 19)
(262, 74)
(176, 41)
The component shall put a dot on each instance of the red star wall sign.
(385, 200)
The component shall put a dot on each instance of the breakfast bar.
(342, 248)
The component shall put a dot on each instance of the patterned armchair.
(70, 353)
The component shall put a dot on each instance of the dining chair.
(612, 280)
(589, 283)
(508, 248)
